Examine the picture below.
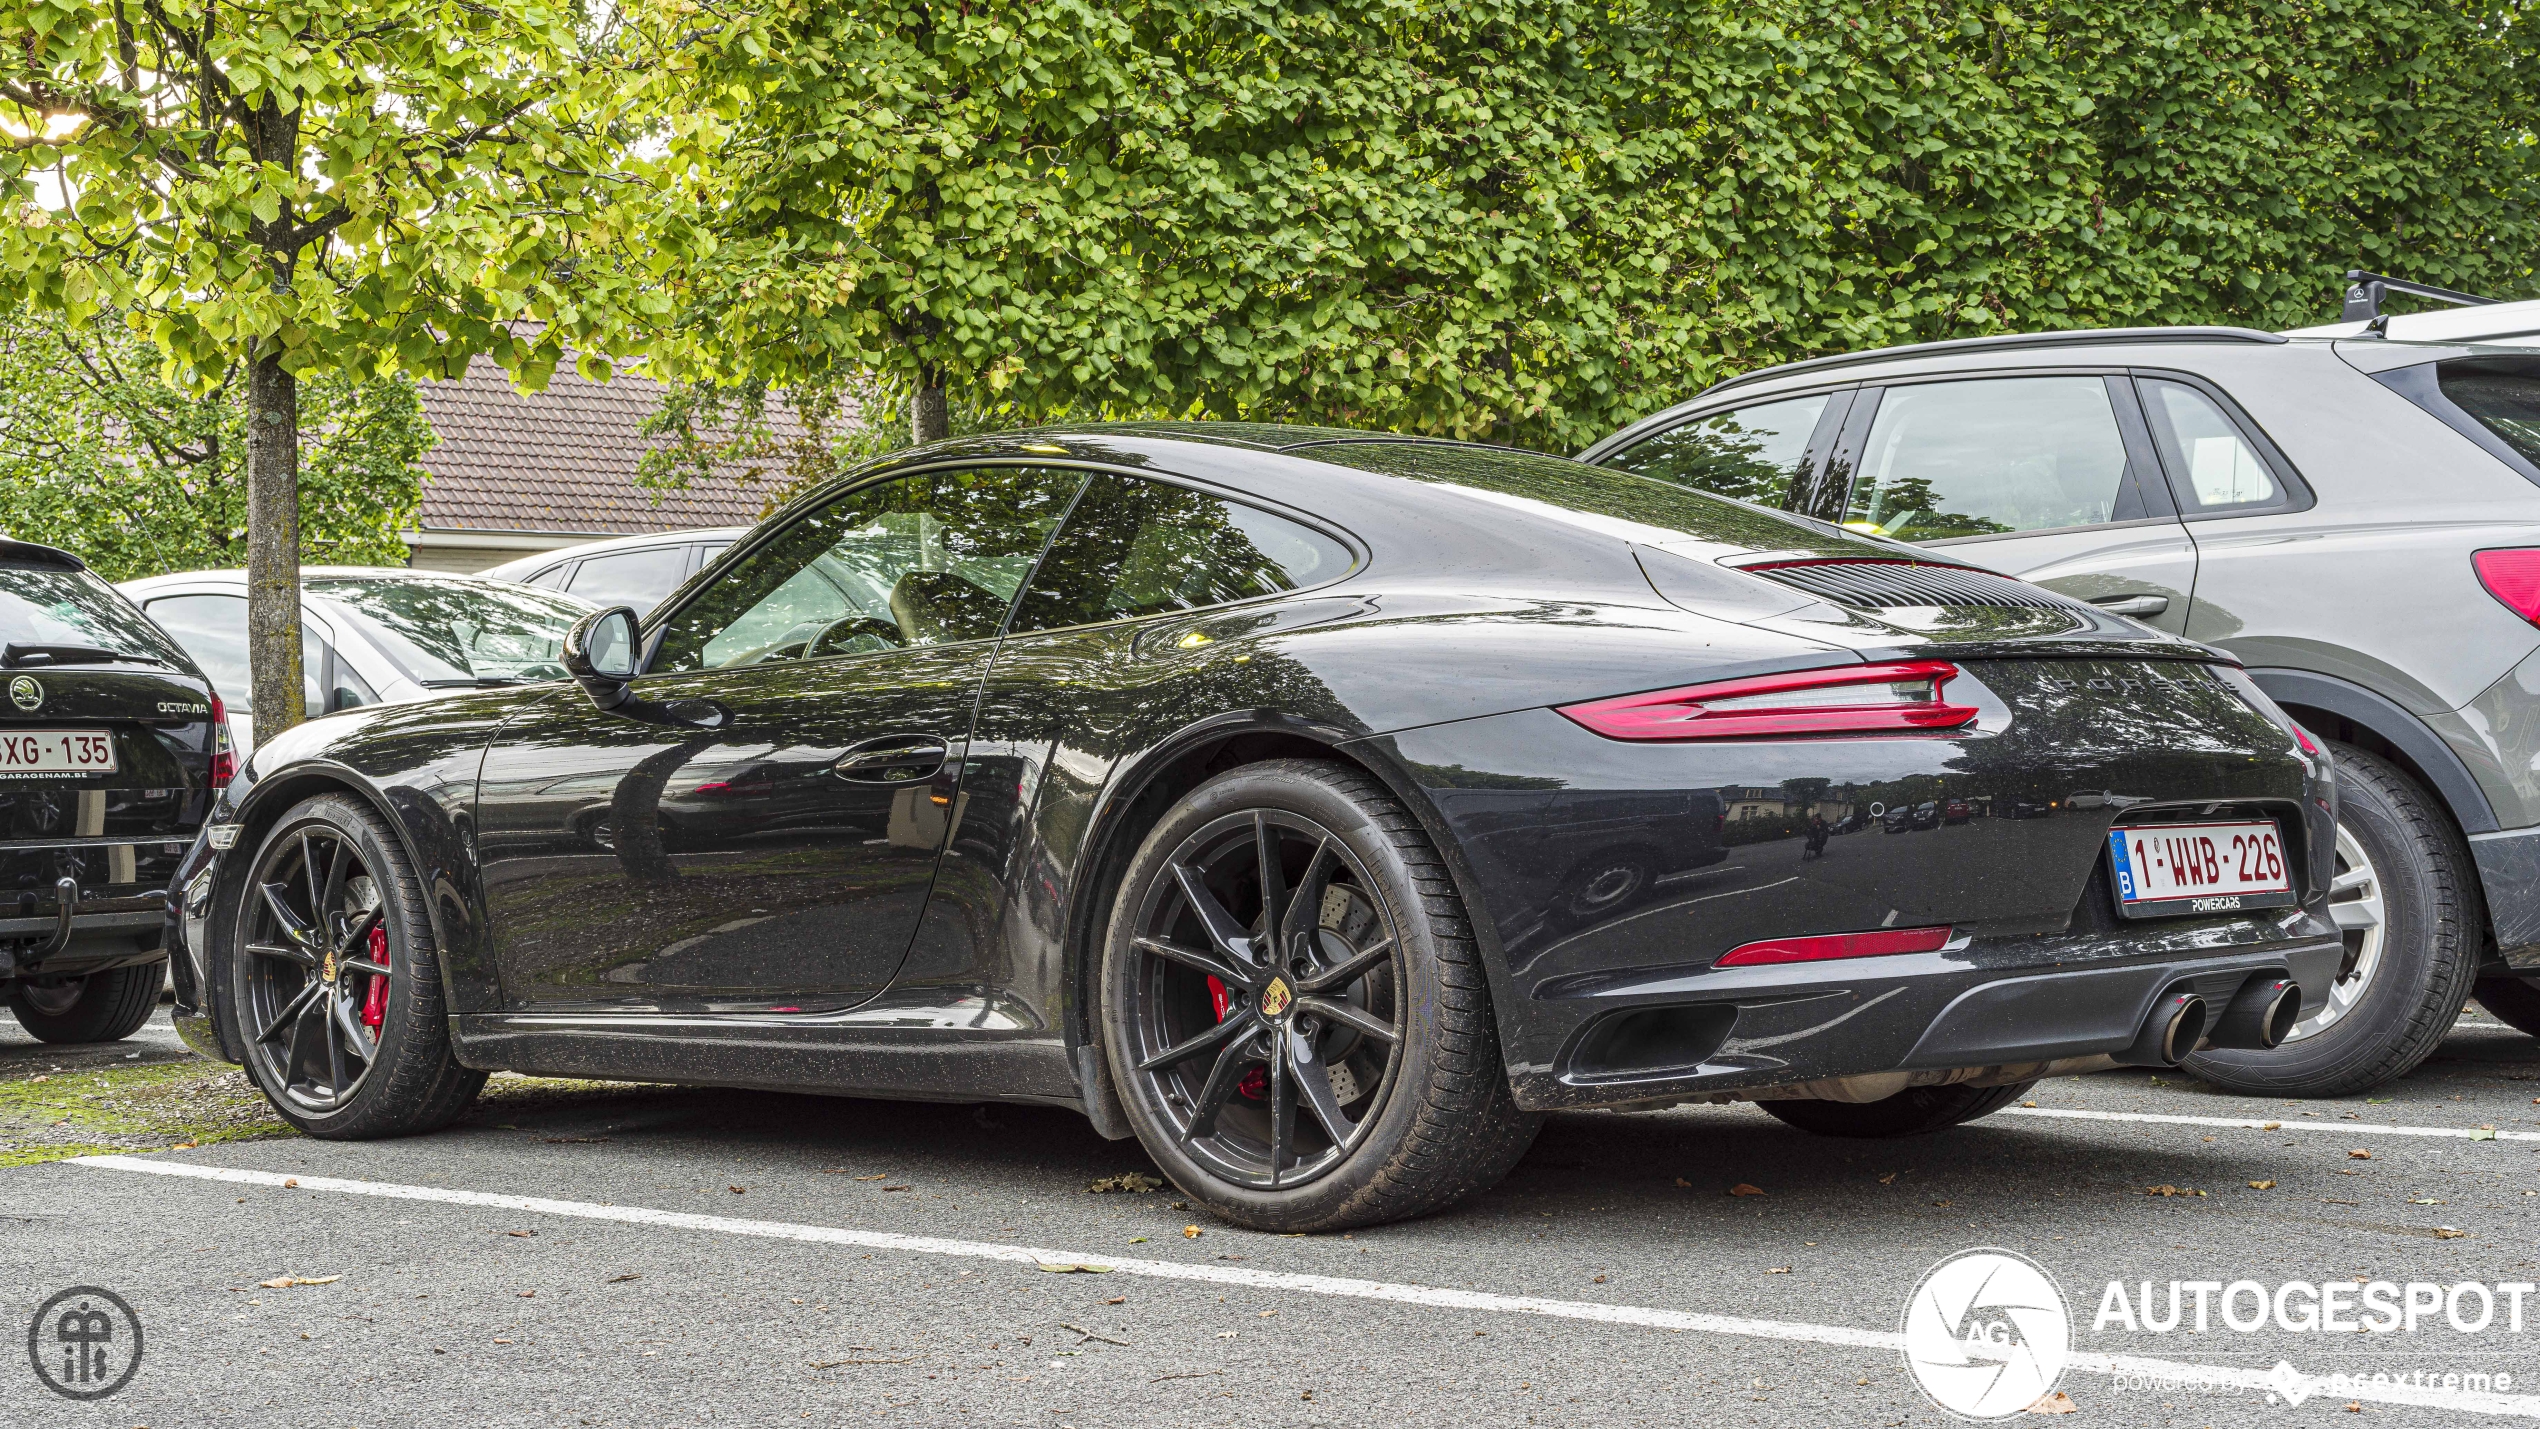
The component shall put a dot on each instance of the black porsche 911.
(1318, 807)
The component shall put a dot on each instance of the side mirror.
(600, 652)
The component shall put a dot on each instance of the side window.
(1135, 548)
(928, 559)
(2211, 465)
(1984, 457)
(213, 629)
(553, 577)
(639, 578)
(1752, 454)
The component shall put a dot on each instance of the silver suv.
(2352, 511)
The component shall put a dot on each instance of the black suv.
(111, 746)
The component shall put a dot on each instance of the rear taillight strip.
(1687, 713)
(1825, 947)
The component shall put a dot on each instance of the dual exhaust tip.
(2258, 1018)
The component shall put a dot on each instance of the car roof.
(233, 576)
(2504, 324)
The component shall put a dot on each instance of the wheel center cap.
(1276, 998)
(326, 969)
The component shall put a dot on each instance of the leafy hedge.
(1532, 221)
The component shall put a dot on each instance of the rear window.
(58, 607)
(2505, 402)
(1614, 503)
(448, 633)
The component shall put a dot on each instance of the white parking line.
(2217, 1376)
(2342, 1128)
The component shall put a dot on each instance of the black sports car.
(1317, 807)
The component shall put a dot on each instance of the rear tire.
(1373, 1007)
(1917, 1111)
(102, 1007)
(2416, 947)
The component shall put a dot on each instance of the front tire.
(335, 982)
(101, 1007)
(1916, 1111)
(1295, 1011)
(2412, 946)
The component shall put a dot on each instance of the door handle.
(892, 759)
(2134, 605)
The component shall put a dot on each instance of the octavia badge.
(25, 693)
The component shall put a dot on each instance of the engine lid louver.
(1887, 585)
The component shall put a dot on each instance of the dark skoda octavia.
(1317, 807)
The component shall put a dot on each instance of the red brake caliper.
(1254, 1084)
(375, 1000)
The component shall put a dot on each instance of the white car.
(624, 570)
(369, 634)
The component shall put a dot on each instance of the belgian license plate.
(2199, 868)
(56, 751)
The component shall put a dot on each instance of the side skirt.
(776, 1054)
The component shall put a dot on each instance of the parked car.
(2351, 511)
(633, 571)
(369, 634)
(1191, 749)
(111, 745)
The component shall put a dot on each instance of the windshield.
(448, 632)
(53, 607)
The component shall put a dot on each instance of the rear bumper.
(1745, 1030)
(2509, 874)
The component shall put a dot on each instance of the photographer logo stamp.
(85, 1343)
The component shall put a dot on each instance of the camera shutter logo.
(25, 693)
(84, 1343)
(1986, 1334)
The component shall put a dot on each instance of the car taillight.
(1828, 946)
(1849, 699)
(224, 755)
(2512, 576)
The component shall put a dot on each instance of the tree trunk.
(273, 547)
(929, 415)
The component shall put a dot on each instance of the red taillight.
(2512, 576)
(224, 755)
(1848, 699)
(2302, 737)
(1836, 945)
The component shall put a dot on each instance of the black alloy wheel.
(1267, 989)
(1294, 1011)
(335, 990)
(315, 948)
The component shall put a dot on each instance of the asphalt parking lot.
(636, 1255)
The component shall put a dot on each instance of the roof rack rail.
(2364, 292)
(2006, 342)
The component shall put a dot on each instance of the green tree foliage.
(1533, 221)
(100, 457)
(272, 188)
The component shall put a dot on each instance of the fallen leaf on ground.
(502, 1342)
(1072, 1267)
(2028, 1104)
(2447, 1233)
(1117, 1300)
(291, 1182)
(1778, 1270)
(2359, 1154)
(735, 1190)
(622, 1279)
(2262, 1185)
(523, 1234)
(1888, 1180)
(2056, 1403)
(183, 1146)
(2484, 1133)
(895, 1188)
(2167, 1190)
(529, 1295)
(1126, 1181)
(1682, 1181)
(1190, 1232)
(2424, 1201)
(2354, 1408)
(285, 1282)
(1744, 1189)
(883, 1177)
(2271, 1126)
